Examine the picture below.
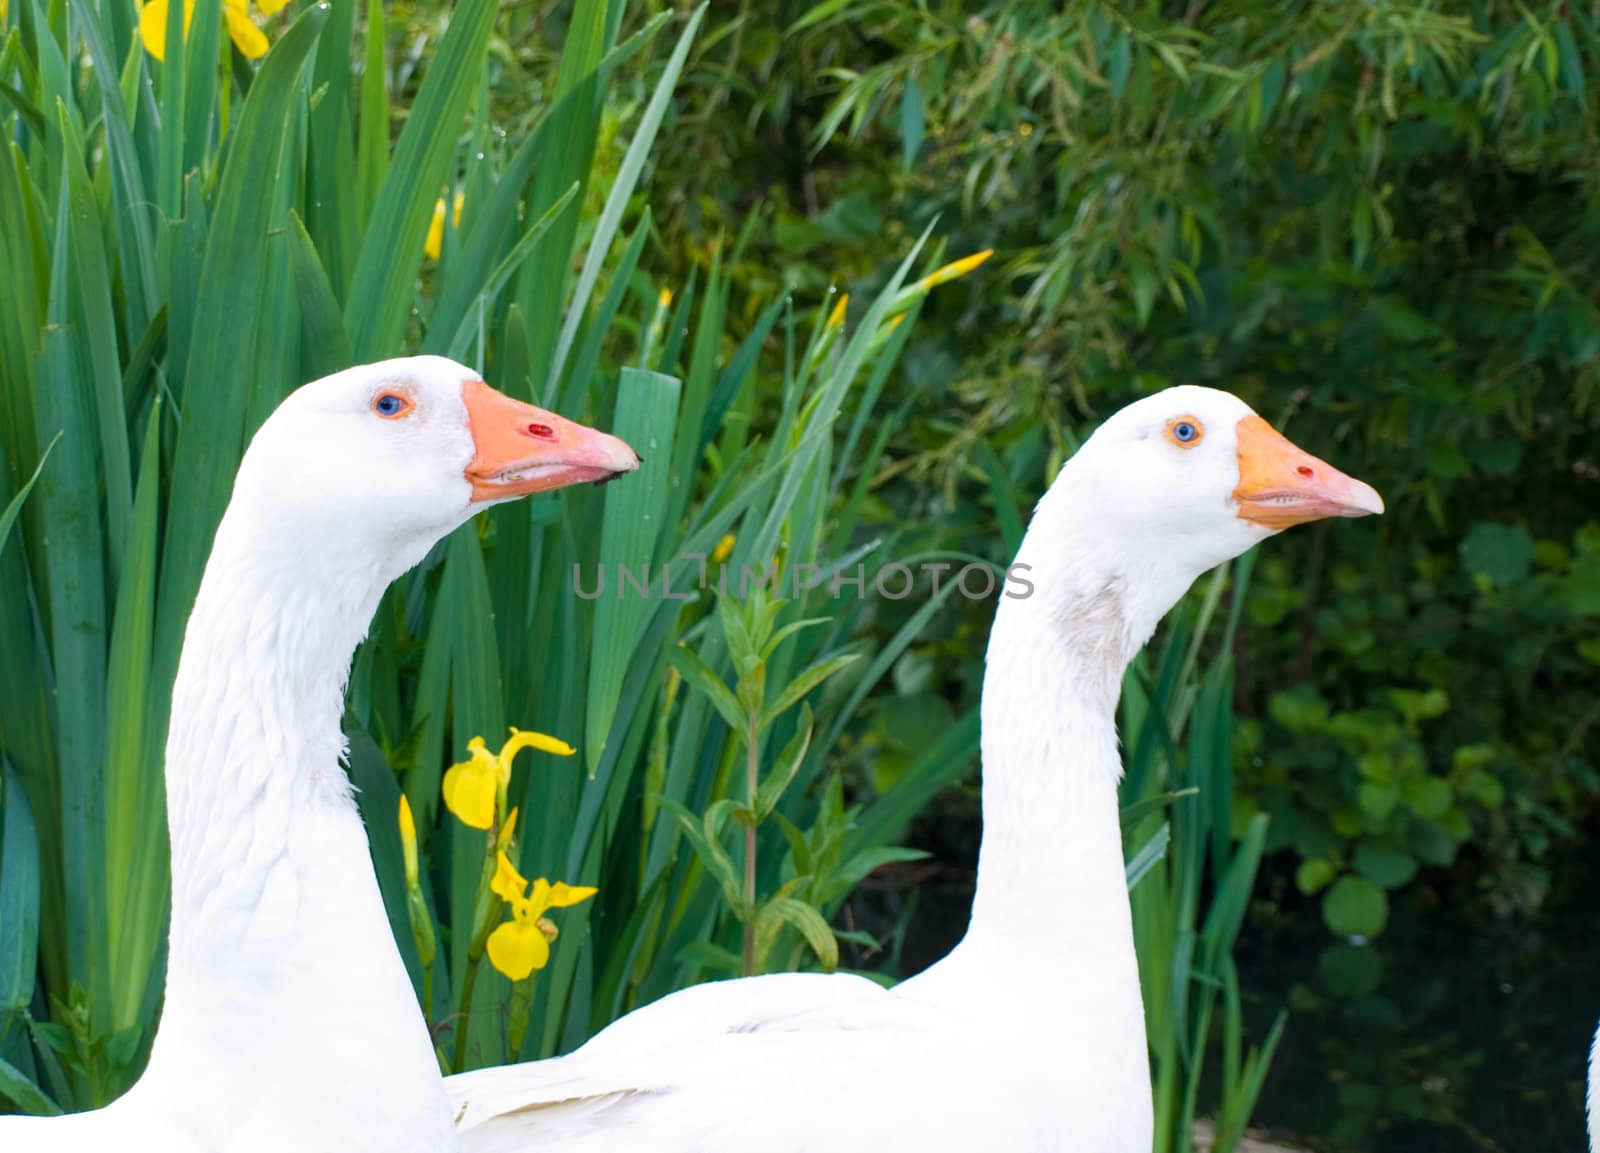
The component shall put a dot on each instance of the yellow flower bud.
(408, 841)
(433, 245)
(954, 270)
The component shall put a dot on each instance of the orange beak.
(1281, 485)
(522, 449)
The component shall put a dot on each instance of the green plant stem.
(464, 1016)
(521, 1009)
(748, 963)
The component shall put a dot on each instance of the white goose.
(1030, 1034)
(1593, 1101)
(289, 1024)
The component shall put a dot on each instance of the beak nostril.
(542, 431)
(1306, 471)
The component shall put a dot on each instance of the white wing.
(774, 1064)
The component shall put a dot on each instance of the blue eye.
(388, 404)
(1184, 432)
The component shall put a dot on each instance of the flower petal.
(508, 884)
(563, 895)
(153, 28)
(247, 38)
(469, 793)
(271, 7)
(508, 831)
(521, 739)
(517, 949)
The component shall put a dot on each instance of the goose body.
(289, 1022)
(1593, 1100)
(1030, 1034)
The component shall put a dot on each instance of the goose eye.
(392, 405)
(1185, 432)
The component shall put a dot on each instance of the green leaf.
(1501, 552)
(503, 271)
(622, 187)
(136, 846)
(384, 282)
(228, 301)
(911, 122)
(711, 853)
(1131, 815)
(23, 1093)
(647, 410)
(787, 631)
(1377, 801)
(325, 345)
(1384, 864)
(804, 681)
(1355, 907)
(811, 926)
(1483, 788)
(1428, 796)
(14, 506)
(783, 771)
(1351, 970)
(1150, 854)
(19, 894)
(1313, 875)
(699, 674)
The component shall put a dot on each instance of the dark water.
(1455, 1031)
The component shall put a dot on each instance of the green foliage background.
(1375, 222)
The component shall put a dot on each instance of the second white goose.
(1030, 1034)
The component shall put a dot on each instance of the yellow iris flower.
(246, 37)
(473, 788)
(433, 245)
(522, 944)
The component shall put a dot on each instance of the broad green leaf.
(385, 275)
(1355, 907)
(136, 825)
(646, 416)
(617, 200)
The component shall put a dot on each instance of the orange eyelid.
(407, 405)
(1194, 422)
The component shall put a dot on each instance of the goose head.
(1172, 486)
(369, 467)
